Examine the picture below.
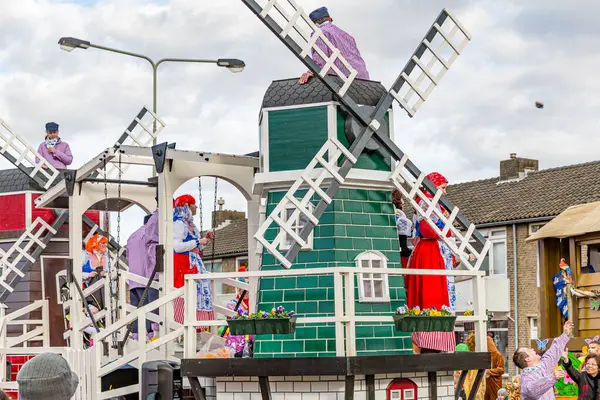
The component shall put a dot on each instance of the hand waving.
(559, 373)
(568, 328)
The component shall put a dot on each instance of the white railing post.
(351, 321)
(480, 313)
(189, 339)
(46, 323)
(339, 314)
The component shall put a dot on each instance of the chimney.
(221, 216)
(516, 168)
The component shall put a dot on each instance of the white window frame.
(534, 227)
(396, 391)
(496, 235)
(535, 329)
(309, 241)
(405, 393)
(371, 255)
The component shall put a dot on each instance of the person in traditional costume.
(141, 258)
(187, 243)
(493, 380)
(341, 40)
(53, 149)
(431, 291)
(96, 265)
(403, 226)
(96, 262)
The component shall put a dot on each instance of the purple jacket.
(538, 382)
(61, 158)
(141, 250)
(346, 44)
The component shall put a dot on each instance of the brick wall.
(528, 291)
(355, 222)
(328, 387)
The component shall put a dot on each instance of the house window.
(373, 286)
(395, 395)
(533, 328)
(497, 253)
(533, 228)
(299, 224)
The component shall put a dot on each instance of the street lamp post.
(232, 64)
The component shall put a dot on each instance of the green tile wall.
(356, 221)
(295, 136)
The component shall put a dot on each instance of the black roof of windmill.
(335, 81)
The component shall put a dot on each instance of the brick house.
(508, 209)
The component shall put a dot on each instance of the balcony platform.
(349, 367)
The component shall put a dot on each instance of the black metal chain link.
(118, 257)
(200, 203)
(214, 227)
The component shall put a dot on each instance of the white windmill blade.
(289, 21)
(441, 46)
(430, 210)
(23, 156)
(141, 132)
(323, 168)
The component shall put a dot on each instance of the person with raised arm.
(539, 376)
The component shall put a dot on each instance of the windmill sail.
(443, 43)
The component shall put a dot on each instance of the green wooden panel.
(368, 160)
(295, 136)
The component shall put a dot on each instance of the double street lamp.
(232, 64)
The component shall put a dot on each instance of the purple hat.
(51, 126)
(318, 14)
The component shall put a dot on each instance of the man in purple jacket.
(341, 40)
(538, 377)
(54, 150)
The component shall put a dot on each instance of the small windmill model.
(18, 259)
(324, 175)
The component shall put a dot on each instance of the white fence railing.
(92, 364)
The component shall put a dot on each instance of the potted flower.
(442, 320)
(411, 320)
(241, 324)
(278, 321)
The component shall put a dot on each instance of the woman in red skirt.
(187, 244)
(428, 291)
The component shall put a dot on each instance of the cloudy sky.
(483, 110)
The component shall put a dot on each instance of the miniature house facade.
(357, 230)
(17, 195)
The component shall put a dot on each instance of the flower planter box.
(240, 327)
(442, 323)
(409, 323)
(275, 326)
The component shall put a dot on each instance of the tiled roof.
(15, 180)
(230, 240)
(289, 92)
(545, 193)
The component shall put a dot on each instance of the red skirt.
(181, 267)
(426, 291)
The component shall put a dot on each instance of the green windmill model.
(334, 209)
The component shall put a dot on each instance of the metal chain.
(118, 257)
(200, 203)
(214, 227)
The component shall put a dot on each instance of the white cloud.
(482, 111)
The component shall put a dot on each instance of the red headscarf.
(183, 200)
(437, 179)
(93, 244)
